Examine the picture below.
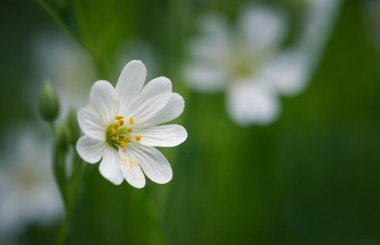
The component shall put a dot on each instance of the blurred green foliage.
(310, 178)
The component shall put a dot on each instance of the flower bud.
(73, 126)
(63, 138)
(48, 103)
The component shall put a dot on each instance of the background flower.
(250, 62)
(27, 188)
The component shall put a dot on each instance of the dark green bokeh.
(309, 178)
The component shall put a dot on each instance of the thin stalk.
(101, 67)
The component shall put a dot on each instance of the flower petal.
(164, 136)
(169, 112)
(103, 100)
(130, 82)
(289, 72)
(250, 102)
(262, 27)
(215, 43)
(209, 77)
(110, 166)
(152, 99)
(91, 150)
(131, 170)
(91, 124)
(153, 163)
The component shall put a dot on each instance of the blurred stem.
(99, 61)
(79, 169)
(58, 20)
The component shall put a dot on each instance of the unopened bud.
(48, 103)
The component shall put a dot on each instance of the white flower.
(27, 187)
(120, 126)
(248, 63)
(232, 59)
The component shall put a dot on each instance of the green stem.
(79, 169)
(57, 19)
(101, 67)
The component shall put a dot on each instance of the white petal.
(152, 99)
(153, 163)
(91, 150)
(157, 86)
(91, 124)
(130, 82)
(131, 170)
(206, 77)
(252, 103)
(169, 112)
(262, 27)
(110, 166)
(289, 72)
(214, 44)
(164, 136)
(103, 100)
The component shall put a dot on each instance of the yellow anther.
(129, 129)
(127, 139)
(115, 126)
(123, 144)
(138, 137)
(119, 117)
(131, 120)
(113, 131)
(121, 122)
(115, 138)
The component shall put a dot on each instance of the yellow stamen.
(131, 120)
(129, 130)
(138, 137)
(115, 138)
(121, 122)
(113, 131)
(119, 117)
(127, 139)
(123, 144)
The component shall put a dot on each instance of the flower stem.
(99, 63)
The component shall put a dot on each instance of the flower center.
(119, 133)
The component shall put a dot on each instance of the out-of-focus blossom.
(234, 59)
(66, 65)
(27, 188)
(249, 63)
(121, 127)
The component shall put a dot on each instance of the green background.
(311, 177)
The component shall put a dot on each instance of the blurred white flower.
(234, 59)
(120, 127)
(66, 65)
(248, 62)
(27, 188)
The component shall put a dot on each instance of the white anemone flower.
(121, 127)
